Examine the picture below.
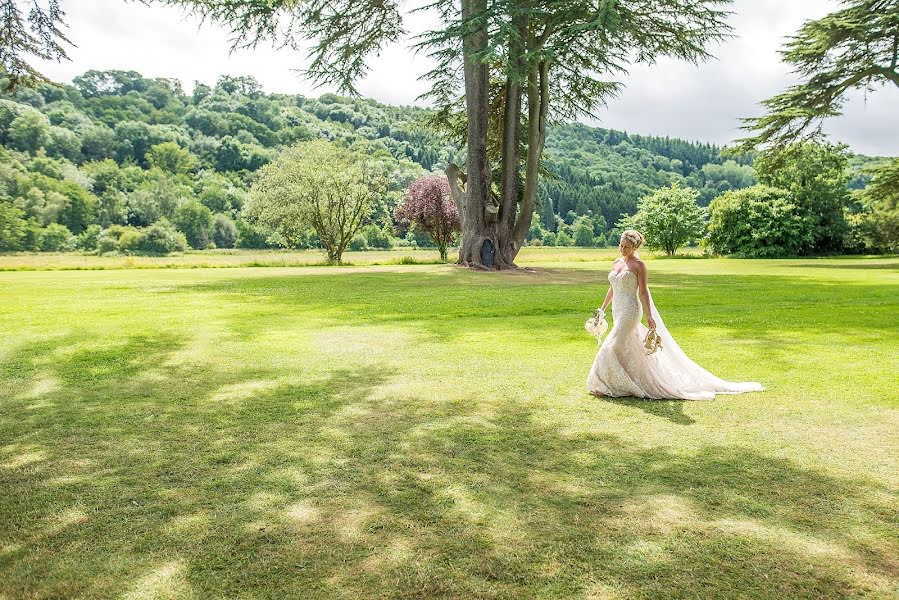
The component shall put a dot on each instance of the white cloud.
(702, 102)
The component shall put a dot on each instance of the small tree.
(429, 206)
(195, 221)
(320, 185)
(668, 218)
(224, 232)
(583, 231)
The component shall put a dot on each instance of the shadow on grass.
(222, 482)
(673, 410)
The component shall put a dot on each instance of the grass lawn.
(424, 431)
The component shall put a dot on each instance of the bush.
(564, 239)
(87, 240)
(131, 241)
(549, 238)
(376, 237)
(107, 244)
(224, 232)
(12, 227)
(252, 236)
(358, 243)
(196, 222)
(757, 222)
(162, 238)
(57, 238)
(159, 238)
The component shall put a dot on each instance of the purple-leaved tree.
(429, 206)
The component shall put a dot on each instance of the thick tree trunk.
(538, 106)
(478, 223)
(511, 148)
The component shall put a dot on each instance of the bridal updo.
(634, 237)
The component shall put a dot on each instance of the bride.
(623, 367)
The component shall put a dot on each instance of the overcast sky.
(670, 98)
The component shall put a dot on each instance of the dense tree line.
(116, 153)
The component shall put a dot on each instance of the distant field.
(423, 431)
(271, 258)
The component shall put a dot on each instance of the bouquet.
(597, 325)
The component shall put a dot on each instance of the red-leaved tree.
(429, 206)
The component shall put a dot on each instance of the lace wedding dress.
(622, 367)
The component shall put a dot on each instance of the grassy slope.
(424, 431)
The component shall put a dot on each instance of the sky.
(677, 99)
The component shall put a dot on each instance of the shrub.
(583, 231)
(196, 222)
(162, 238)
(12, 227)
(224, 232)
(57, 238)
(549, 238)
(131, 241)
(88, 238)
(757, 222)
(377, 237)
(564, 239)
(107, 244)
(358, 243)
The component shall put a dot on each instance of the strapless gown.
(622, 367)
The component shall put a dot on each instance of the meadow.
(422, 431)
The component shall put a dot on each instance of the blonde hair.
(634, 237)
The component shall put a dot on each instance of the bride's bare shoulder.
(638, 265)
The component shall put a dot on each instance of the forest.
(116, 161)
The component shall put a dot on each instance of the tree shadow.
(253, 482)
(673, 410)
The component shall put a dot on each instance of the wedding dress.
(622, 367)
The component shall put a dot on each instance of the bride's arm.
(642, 281)
(608, 300)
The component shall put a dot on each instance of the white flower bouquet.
(597, 325)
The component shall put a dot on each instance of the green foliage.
(816, 176)
(88, 238)
(757, 222)
(172, 158)
(874, 227)
(196, 222)
(668, 218)
(158, 239)
(317, 185)
(376, 237)
(12, 227)
(564, 239)
(583, 231)
(57, 238)
(358, 243)
(854, 47)
(29, 132)
(224, 232)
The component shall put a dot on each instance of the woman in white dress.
(623, 367)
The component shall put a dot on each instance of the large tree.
(855, 47)
(550, 57)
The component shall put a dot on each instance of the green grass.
(424, 431)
